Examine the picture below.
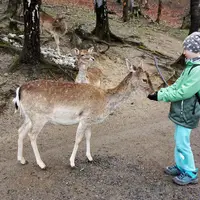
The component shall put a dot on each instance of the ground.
(130, 149)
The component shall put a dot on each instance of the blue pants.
(184, 158)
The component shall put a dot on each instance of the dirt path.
(130, 150)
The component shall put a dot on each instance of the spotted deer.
(57, 27)
(68, 103)
(87, 74)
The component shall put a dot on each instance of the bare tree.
(31, 49)
(102, 30)
(13, 6)
(125, 10)
(159, 11)
(11, 14)
(102, 26)
(195, 15)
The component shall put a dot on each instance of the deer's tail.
(16, 100)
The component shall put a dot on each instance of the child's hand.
(153, 96)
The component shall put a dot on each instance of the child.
(184, 96)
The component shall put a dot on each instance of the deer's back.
(45, 95)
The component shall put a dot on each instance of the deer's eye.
(144, 80)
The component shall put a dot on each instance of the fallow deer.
(57, 27)
(86, 74)
(68, 103)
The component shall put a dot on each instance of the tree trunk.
(12, 11)
(195, 15)
(31, 49)
(186, 24)
(125, 10)
(13, 6)
(159, 11)
(101, 30)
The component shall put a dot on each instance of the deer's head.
(84, 57)
(140, 78)
(60, 23)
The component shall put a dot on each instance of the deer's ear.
(76, 51)
(90, 50)
(129, 65)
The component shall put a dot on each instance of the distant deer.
(86, 74)
(67, 103)
(57, 27)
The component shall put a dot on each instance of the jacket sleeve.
(190, 86)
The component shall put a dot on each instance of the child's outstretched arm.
(189, 87)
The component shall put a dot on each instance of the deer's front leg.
(87, 137)
(79, 136)
(57, 41)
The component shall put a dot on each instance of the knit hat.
(192, 42)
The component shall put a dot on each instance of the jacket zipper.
(181, 107)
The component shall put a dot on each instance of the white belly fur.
(65, 116)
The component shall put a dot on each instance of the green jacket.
(185, 108)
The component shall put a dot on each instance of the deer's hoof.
(73, 166)
(23, 161)
(90, 159)
(42, 166)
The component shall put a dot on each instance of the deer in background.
(86, 74)
(67, 103)
(57, 27)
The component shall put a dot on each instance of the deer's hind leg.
(23, 131)
(33, 134)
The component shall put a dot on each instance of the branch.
(4, 17)
(70, 72)
(16, 21)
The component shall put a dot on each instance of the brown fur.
(67, 103)
(57, 27)
(91, 75)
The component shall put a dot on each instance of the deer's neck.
(82, 74)
(120, 93)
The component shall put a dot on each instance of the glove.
(153, 96)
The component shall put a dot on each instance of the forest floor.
(130, 148)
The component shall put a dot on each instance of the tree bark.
(125, 10)
(101, 30)
(31, 49)
(13, 6)
(12, 12)
(186, 23)
(159, 11)
(195, 15)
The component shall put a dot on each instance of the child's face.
(189, 54)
